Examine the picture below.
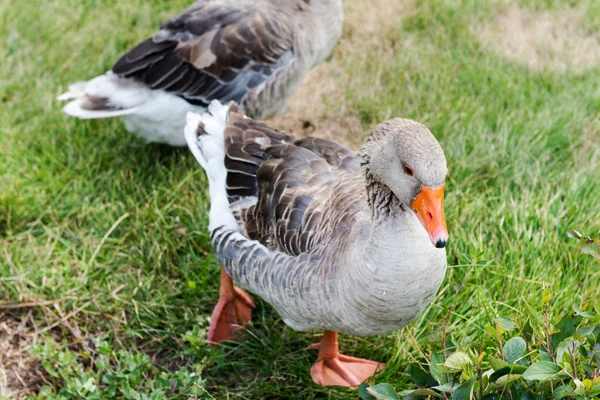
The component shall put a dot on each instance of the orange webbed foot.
(335, 369)
(344, 371)
(232, 312)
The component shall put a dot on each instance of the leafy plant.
(534, 359)
(111, 375)
(588, 245)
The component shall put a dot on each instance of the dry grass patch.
(319, 106)
(20, 373)
(544, 40)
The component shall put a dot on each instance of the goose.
(333, 240)
(255, 52)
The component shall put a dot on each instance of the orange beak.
(429, 207)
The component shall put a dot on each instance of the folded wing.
(303, 191)
(213, 50)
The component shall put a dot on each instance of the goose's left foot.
(335, 369)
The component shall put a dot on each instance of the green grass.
(115, 231)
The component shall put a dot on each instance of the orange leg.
(233, 311)
(335, 369)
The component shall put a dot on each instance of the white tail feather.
(76, 90)
(123, 94)
(191, 127)
(208, 149)
(74, 109)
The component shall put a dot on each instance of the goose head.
(403, 157)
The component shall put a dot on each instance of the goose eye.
(408, 170)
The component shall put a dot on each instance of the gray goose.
(255, 52)
(333, 240)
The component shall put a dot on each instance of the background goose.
(255, 52)
(331, 239)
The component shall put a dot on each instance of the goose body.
(374, 288)
(254, 52)
(344, 242)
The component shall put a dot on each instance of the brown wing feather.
(306, 189)
(213, 50)
(336, 155)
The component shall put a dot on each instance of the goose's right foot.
(231, 314)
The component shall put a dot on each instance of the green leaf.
(587, 314)
(446, 387)
(503, 381)
(533, 312)
(490, 330)
(457, 361)
(491, 396)
(506, 323)
(567, 327)
(562, 392)
(546, 295)
(435, 368)
(531, 396)
(541, 370)
(418, 375)
(511, 369)
(434, 338)
(157, 395)
(527, 331)
(497, 364)
(419, 392)
(592, 249)
(565, 349)
(463, 392)
(91, 387)
(596, 388)
(579, 387)
(585, 331)
(383, 391)
(545, 356)
(514, 349)
(465, 341)
(362, 392)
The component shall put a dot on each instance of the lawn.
(107, 276)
